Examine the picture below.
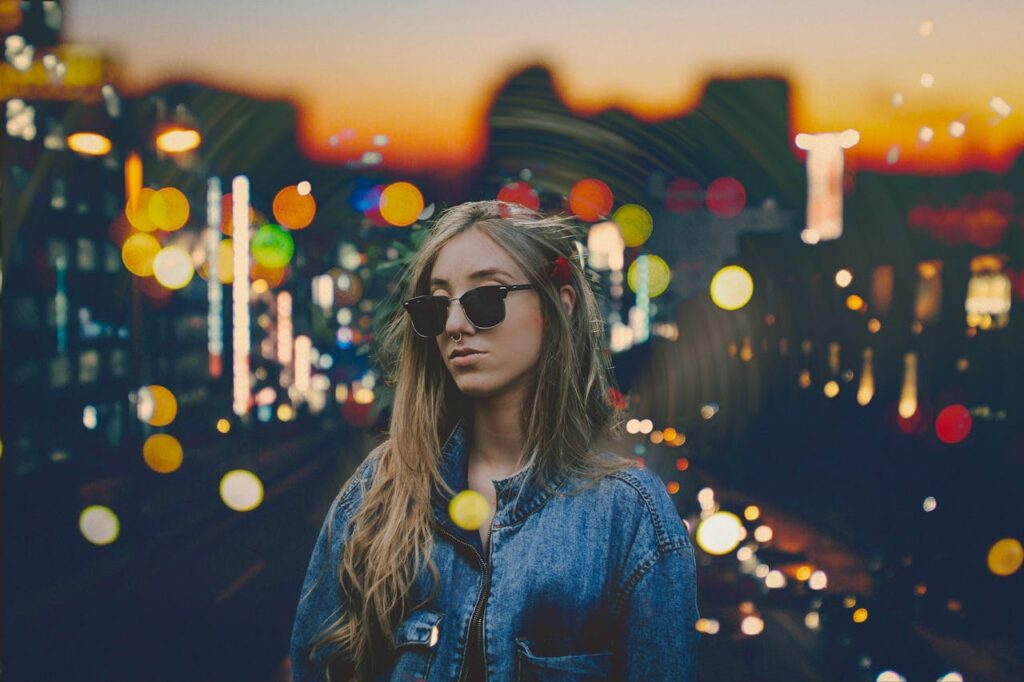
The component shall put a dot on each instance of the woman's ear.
(568, 295)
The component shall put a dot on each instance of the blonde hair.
(392, 530)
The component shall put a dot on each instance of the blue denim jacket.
(592, 586)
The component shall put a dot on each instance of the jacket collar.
(514, 504)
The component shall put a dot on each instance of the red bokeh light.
(683, 195)
(726, 197)
(953, 424)
(520, 193)
(590, 200)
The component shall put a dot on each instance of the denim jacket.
(590, 586)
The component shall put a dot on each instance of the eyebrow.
(479, 274)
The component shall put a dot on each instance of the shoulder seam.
(661, 536)
(649, 562)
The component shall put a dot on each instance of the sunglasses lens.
(484, 306)
(428, 314)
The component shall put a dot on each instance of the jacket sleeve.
(321, 602)
(658, 617)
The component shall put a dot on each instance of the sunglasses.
(484, 307)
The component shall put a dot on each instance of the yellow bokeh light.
(849, 601)
(669, 433)
(860, 615)
(162, 453)
(173, 267)
(138, 254)
(223, 425)
(157, 405)
(90, 144)
(831, 389)
(635, 223)
(285, 412)
(732, 287)
(1005, 557)
(168, 209)
(241, 490)
(138, 215)
(752, 513)
(658, 275)
(469, 510)
(99, 525)
(720, 533)
(874, 325)
(805, 378)
(855, 302)
(401, 203)
(178, 140)
(803, 573)
(259, 286)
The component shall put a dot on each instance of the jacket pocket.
(415, 643)
(577, 667)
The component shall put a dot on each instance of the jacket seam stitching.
(660, 535)
(638, 574)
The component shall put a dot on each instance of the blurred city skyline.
(424, 76)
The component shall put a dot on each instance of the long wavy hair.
(392, 530)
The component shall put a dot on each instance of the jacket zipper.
(478, 608)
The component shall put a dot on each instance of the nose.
(457, 322)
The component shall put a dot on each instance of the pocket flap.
(419, 627)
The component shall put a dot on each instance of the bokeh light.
(860, 615)
(168, 209)
(683, 195)
(99, 525)
(752, 626)
(173, 268)
(156, 405)
(1005, 557)
(732, 287)
(469, 510)
(953, 424)
(843, 278)
(726, 197)
(401, 204)
(635, 223)
(658, 275)
(272, 246)
(855, 302)
(223, 425)
(138, 215)
(241, 490)
(89, 144)
(178, 140)
(590, 200)
(719, 533)
(521, 193)
(227, 214)
(752, 513)
(293, 208)
(139, 252)
(162, 453)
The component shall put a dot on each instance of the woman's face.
(505, 354)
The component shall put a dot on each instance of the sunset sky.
(423, 73)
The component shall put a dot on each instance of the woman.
(581, 569)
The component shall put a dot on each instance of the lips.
(460, 352)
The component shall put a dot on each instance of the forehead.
(470, 252)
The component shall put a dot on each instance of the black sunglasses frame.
(505, 289)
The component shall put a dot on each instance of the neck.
(498, 440)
